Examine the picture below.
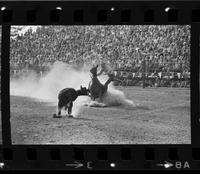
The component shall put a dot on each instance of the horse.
(66, 97)
(96, 88)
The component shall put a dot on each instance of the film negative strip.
(100, 85)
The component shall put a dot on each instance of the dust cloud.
(62, 75)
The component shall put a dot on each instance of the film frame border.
(99, 13)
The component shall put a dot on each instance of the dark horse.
(67, 96)
(98, 90)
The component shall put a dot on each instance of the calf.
(67, 96)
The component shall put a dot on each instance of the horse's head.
(84, 90)
(94, 71)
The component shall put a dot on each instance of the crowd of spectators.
(132, 52)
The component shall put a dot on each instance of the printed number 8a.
(183, 165)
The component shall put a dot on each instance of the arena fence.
(144, 77)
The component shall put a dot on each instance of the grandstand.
(139, 55)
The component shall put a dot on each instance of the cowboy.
(105, 69)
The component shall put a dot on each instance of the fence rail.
(131, 78)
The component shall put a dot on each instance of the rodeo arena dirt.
(100, 84)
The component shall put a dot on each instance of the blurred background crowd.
(158, 54)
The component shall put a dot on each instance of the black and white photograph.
(100, 84)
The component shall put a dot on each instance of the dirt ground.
(163, 117)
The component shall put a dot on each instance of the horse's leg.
(59, 111)
(70, 109)
(106, 85)
(92, 98)
(66, 108)
(101, 96)
(59, 108)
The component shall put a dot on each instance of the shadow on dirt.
(135, 107)
(84, 119)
